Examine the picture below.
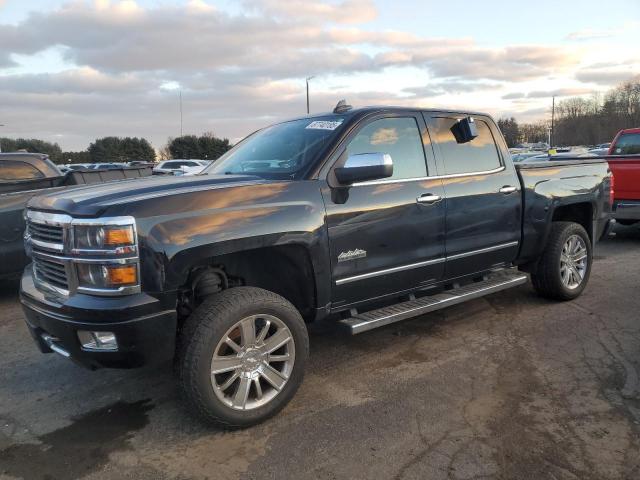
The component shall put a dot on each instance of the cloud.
(347, 11)
(561, 92)
(589, 34)
(598, 34)
(606, 76)
(435, 89)
(514, 96)
(237, 71)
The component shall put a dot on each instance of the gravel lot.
(510, 386)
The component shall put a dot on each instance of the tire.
(227, 316)
(548, 278)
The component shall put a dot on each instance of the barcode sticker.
(324, 125)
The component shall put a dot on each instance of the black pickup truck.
(363, 217)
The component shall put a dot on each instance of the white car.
(180, 167)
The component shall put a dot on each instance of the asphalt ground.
(510, 386)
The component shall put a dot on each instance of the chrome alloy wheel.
(252, 362)
(573, 262)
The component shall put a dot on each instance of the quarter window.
(12, 170)
(398, 137)
(478, 155)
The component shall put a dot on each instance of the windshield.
(281, 151)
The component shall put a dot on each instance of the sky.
(73, 71)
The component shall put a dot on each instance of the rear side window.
(12, 170)
(627, 144)
(400, 138)
(478, 155)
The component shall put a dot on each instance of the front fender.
(293, 213)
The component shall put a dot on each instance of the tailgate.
(626, 171)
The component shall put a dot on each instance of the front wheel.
(241, 356)
(565, 264)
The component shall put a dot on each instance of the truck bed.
(548, 186)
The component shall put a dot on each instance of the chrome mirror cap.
(363, 167)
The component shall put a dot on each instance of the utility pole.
(308, 78)
(1, 125)
(181, 112)
(553, 118)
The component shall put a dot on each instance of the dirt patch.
(81, 448)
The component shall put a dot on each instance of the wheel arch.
(579, 212)
(286, 270)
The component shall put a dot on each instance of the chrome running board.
(361, 322)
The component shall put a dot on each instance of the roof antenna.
(342, 107)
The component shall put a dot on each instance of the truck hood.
(91, 200)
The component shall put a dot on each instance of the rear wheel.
(241, 356)
(565, 264)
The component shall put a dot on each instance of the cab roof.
(363, 111)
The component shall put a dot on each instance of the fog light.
(98, 340)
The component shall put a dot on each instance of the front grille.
(51, 272)
(45, 233)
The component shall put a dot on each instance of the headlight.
(99, 237)
(106, 275)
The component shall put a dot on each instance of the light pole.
(308, 78)
(553, 117)
(1, 125)
(181, 112)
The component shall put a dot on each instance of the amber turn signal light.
(118, 236)
(122, 274)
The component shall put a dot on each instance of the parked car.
(599, 152)
(140, 163)
(353, 217)
(24, 175)
(522, 156)
(78, 166)
(107, 166)
(171, 167)
(625, 165)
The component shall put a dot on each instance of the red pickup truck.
(624, 161)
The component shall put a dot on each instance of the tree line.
(124, 149)
(581, 121)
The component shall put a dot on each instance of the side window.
(478, 155)
(13, 170)
(400, 138)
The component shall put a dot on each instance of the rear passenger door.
(482, 195)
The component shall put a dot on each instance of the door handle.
(428, 198)
(507, 189)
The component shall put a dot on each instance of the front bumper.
(144, 327)
(626, 210)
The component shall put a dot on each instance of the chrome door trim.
(386, 271)
(482, 250)
(433, 177)
(435, 261)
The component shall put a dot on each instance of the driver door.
(384, 237)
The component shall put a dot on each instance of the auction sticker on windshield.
(324, 125)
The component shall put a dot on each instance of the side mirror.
(363, 167)
(465, 130)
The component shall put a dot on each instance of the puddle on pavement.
(79, 449)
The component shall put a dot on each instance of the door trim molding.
(386, 271)
(482, 250)
(435, 261)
